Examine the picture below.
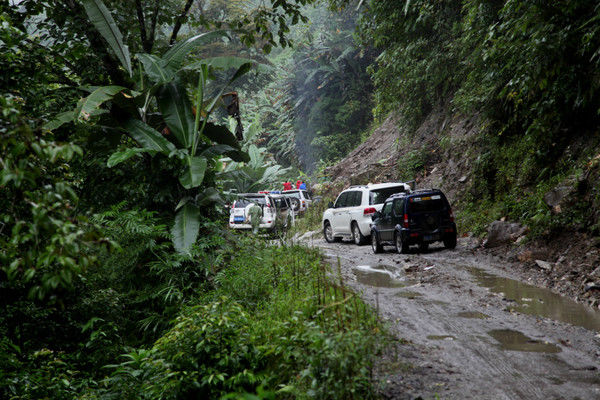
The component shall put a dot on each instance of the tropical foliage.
(317, 101)
(113, 164)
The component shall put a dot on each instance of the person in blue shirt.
(302, 186)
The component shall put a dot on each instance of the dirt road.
(470, 328)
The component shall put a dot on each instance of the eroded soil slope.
(446, 149)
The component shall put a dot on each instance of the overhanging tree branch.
(142, 21)
(180, 20)
(153, 24)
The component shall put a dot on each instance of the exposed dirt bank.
(448, 149)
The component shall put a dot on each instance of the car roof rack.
(400, 194)
(425, 190)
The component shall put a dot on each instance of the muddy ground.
(469, 326)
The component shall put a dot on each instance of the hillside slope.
(559, 249)
(431, 156)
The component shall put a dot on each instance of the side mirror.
(376, 215)
(330, 205)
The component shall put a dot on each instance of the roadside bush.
(312, 218)
(299, 336)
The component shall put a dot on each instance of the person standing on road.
(255, 213)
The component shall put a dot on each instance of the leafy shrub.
(298, 336)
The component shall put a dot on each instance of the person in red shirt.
(298, 183)
(287, 185)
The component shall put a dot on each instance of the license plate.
(238, 219)
(430, 237)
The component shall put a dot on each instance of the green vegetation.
(317, 99)
(118, 278)
(526, 68)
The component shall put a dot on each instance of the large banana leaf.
(185, 229)
(221, 135)
(175, 55)
(217, 149)
(242, 70)
(193, 173)
(156, 68)
(220, 62)
(147, 137)
(60, 120)
(119, 156)
(256, 157)
(176, 109)
(105, 24)
(209, 195)
(90, 105)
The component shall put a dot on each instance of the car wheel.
(358, 237)
(401, 246)
(450, 241)
(375, 245)
(328, 233)
(423, 247)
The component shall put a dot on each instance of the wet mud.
(469, 329)
(472, 314)
(539, 301)
(517, 341)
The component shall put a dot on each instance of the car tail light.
(451, 216)
(369, 211)
(406, 220)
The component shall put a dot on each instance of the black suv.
(420, 217)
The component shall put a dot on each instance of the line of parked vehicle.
(279, 208)
(390, 214)
(384, 214)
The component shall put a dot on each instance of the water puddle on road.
(517, 341)
(379, 276)
(472, 314)
(441, 337)
(537, 301)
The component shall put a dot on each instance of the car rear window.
(378, 196)
(243, 202)
(295, 194)
(281, 203)
(426, 203)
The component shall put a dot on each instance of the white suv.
(303, 197)
(350, 216)
(239, 216)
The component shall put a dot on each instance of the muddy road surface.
(468, 327)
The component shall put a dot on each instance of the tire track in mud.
(456, 357)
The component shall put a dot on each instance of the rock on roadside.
(503, 232)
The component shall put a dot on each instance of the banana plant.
(192, 140)
(257, 174)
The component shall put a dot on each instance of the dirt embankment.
(442, 153)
